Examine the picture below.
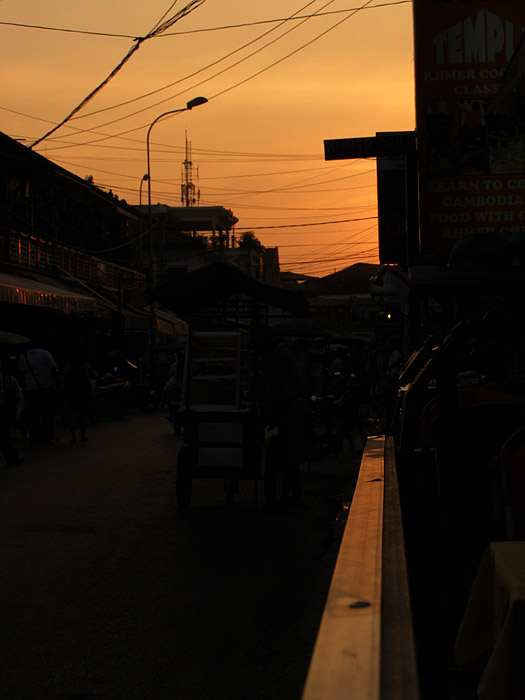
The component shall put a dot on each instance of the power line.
(279, 189)
(287, 19)
(348, 237)
(231, 87)
(288, 234)
(218, 177)
(284, 189)
(317, 223)
(266, 158)
(324, 270)
(313, 245)
(331, 260)
(301, 185)
(269, 158)
(117, 35)
(292, 53)
(342, 245)
(68, 31)
(201, 70)
(295, 188)
(158, 29)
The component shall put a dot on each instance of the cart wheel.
(183, 477)
(271, 472)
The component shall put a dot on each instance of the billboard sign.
(471, 142)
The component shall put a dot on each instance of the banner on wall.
(471, 131)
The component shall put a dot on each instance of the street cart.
(223, 428)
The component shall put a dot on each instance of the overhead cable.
(117, 35)
(200, 70)
(192, 5)
(228, 89)
(315, 223)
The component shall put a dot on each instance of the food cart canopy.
(207, 286)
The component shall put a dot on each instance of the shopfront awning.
(164, 321)
(37, 290)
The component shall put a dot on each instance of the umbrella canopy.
(8, 338)
(207, 286)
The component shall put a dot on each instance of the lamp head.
(195, 102)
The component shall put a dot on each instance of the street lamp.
(145, 178)
(195, 102)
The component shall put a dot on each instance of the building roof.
(351, 280)
(33, 162)
(194, 218)
(207, 286)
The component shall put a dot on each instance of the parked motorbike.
(145, 397)
(336, 416)
(110, 400)
(175, 414)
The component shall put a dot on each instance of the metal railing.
(44, 256)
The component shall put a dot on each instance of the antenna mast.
(190, 196)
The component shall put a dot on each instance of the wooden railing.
(365, 645)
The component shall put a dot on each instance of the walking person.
(7, 449)
(40, 380)
(77, 392)
(13, 397)
(173, 383)
(280, 392)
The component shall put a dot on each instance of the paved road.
(109, 591)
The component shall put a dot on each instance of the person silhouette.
(77, 392)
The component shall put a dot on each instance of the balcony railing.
(44, 256)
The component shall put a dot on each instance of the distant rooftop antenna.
(190, 195)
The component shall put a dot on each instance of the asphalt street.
(110, 591)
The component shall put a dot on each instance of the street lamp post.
(195, 102)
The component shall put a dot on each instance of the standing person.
(8, 450)
(173, 382)
(40, 380)
(77, 392)
(338, 363)
(13, 397)
(282, 398)
(302, 357)
(393, 369)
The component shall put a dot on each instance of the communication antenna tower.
(190, 195)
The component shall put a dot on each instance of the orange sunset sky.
(280, 77)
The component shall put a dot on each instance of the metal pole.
(189, 105)
(151, 276)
